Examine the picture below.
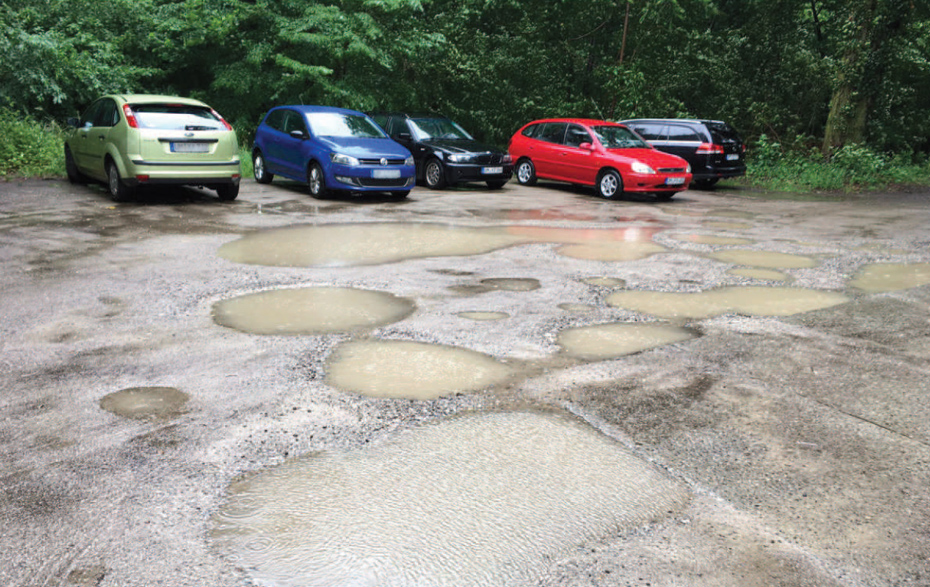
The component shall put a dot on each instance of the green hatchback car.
(131, 140)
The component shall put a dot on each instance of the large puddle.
(608, 341)
(411, 370)
(310, 310)
(478, 500)
(375, 243)
(764, 259)
(751, 300)
(146, 403)
(882, 277)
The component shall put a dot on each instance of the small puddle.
(763, 274)
(727, 225)
(483, 316)
(412, 370)
(610, 251)
(482, 500)
(881, 277)
(751, 300)
(497, 284)
(146, 403)
(764, 259)
(604, 281)
(608, 341)
(310, 310)
(706, 239)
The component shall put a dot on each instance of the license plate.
(732, 157)
(385, 173)
(190, 147)
(490, 170)
(674, 180)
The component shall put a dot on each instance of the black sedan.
(444, 153)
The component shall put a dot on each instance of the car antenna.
(601, 114)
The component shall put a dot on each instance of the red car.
(606, 155)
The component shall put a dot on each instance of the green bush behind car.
(30, 148)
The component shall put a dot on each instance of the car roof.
(584, 121)
(683, 120)
(155, 99)
(311, 109)
(410, 114)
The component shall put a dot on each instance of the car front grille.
(672, 170)
(378, 161)
(370, 182)
(488, 159)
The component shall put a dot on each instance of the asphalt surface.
(803, 440)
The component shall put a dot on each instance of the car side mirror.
(405, 136)
(298, 134)
(73, 122)
(586, 146)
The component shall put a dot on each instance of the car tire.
(609, 185)
(496, 184)
(259, 169)
(434, 175)
(227, 191)
(74, 175)
(316, 181)
(526, 172)
(119, 191)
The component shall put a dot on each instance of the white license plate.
(190, 147)
(674, 180)
(732, 157)
(490, 170)
(385, 173)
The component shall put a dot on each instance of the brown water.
(608, 341)
(146, 403)
(483, 316)
(765, 259)
(752, 300)
(882, 277)
(482, 500)
(761, 274)
(706, 239)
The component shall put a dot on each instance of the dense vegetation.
(818, 79)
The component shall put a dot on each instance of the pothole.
(477, 500)
(483, 316)
(411, 370)
(310, 310)
(146, 403)
(752, 300)
(609, 341)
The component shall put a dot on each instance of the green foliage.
(29, 147)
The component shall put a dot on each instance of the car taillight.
(223, 120)
(709, 149)
(130, 117)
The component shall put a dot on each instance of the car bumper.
(640, 182)
(457, 173)
(141, 172)
(711, 172)
(370, 179)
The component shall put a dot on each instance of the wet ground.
(523, 387)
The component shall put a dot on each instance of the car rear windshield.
(176, 117)
(335, 124)
(722, 132)
(438, 128)
(619, 137)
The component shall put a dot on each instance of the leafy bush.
(29, 147)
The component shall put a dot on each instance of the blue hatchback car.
(331, 150)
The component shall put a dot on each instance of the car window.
(552, 132)
(437, 128)
(91, 113)
(399, 126)
(532, 130)
(337, 124)
(163, 116)
(276, 120)
(575, 135)
(682, 133)
(619, 137)
(722, 132)
(650, 132)
(382, 120)
(106, 114)
(294, 121)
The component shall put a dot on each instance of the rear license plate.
(674, 180)
(732, 157)
(385, 173)
(489, 170)
(190, 147)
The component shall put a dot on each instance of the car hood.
(366, 148)
(456, 146)
(651, 157)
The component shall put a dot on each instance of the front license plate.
(674, 180)
(385, 173)
(490, 170)
(732, 157)
(190, 147)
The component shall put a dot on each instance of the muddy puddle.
(476, 500)
(707, 239)
(766, 259)
(483, 316)
(724, 225)
(761, 274)
(751, 300)
(519, 284)
(146, 403)
(882, 277)
(609, 341)
(412, 370)
(310, 310)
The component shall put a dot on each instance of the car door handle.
(100, 138)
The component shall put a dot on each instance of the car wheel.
(434, 175)
(74, 176)
(119, 191)
(316, 182)
(526, 172)
(227, 191)
(496, 184)
(258, 168)
(609, 184)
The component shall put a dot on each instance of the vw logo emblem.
(383, 161)
(188, 134)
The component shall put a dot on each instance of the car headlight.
(459, 158)
(688, 170)
(343, 159)
(507, 159)
(408, 160)
(640, 167)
